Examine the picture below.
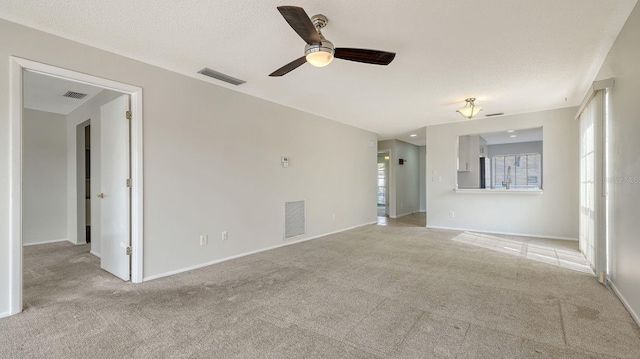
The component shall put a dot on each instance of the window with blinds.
(521, 171)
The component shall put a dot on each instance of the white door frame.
(17, 67)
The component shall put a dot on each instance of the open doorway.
(59, 121)
(383, 184)
(87, 179)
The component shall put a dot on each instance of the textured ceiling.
(514, 56)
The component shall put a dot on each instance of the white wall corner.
(625, 303)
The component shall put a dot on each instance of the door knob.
(101, 195)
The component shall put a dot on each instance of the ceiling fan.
(319, 51)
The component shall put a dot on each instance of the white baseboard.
(402, 215)
(5, 314)
(504, 233)
(45, 242)
(634, 315)
(95, 254)
(181, 270)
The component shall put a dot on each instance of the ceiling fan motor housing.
(324, 46)
(319, 21)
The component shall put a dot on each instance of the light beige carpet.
(388, 292)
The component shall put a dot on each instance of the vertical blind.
(591, 121)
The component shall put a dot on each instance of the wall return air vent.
(220, 76)
(294, 219)
(76, 95)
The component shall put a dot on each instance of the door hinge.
(129, 182)
(129, 251)
(128, 115)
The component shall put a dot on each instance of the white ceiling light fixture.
(413, 135)
(470, 109)
(510, 131)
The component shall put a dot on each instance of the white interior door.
(115, 190)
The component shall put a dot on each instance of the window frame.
(496, 185)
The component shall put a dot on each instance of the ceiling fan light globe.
(319, 58)
(319, 55)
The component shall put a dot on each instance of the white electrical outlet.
(452, 214)
(225, 235)
(204, 240)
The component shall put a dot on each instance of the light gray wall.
(515, 148)
(553, 213)
(211, 160)
(89, 111)
(422, 168)
(386, 144)
(44, 177)
(407, 178)
(623, 64)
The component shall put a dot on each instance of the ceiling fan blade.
(289, 67)
(363, 55)
(300, 22)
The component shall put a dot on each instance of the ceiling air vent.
(494, 114)
(76, 95)
(220, 76)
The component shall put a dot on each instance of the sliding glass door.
(592, 231)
